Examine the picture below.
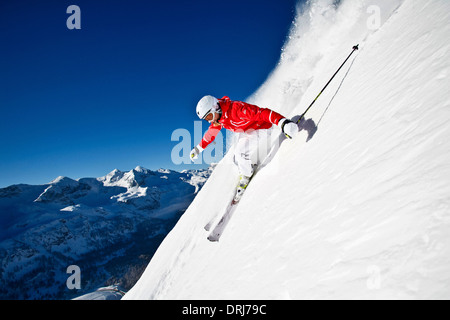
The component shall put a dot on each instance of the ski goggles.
(211, 115)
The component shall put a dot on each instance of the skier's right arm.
(195, 152)
(208, 138)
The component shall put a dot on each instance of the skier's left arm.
(255, 113)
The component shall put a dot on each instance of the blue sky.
(80, 103)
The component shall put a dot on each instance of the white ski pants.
(251, 148)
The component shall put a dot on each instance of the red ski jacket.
(239, 116)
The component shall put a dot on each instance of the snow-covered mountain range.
(109, 227)
(360, 210)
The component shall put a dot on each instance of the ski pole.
(304, 113)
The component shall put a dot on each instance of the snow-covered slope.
(361, 210)
(108, 226)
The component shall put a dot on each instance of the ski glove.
(195, 152)
(289, 128)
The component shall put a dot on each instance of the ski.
(214, 236)
(211, 222)
(208, 226)
(234, 200)
(217, 232)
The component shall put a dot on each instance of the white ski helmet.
(207, 105)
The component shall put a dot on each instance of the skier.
(246, 119)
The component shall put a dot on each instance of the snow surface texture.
(108, 226)
(361, 210)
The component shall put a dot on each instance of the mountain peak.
(141, 169)
(62, 180)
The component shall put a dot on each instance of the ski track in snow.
(361, 211)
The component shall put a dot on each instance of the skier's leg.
(260, 145)
(242, 155)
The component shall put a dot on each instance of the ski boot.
(241, 187)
